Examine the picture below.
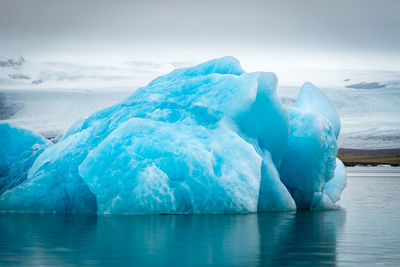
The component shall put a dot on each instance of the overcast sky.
(328, 34)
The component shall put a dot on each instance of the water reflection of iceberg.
(180, 240)
(300, 238)
(276, 238)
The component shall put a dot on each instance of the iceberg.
(19, 149)
(205, 139)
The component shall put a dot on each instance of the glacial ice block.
(312, 100)
(308, 162)
(18, 150)
(205, 139)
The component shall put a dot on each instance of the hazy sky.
(329, 34)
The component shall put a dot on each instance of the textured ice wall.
(205, 139)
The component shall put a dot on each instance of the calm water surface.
(364, 232)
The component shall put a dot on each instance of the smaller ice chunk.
(336, 185)
(51, 185)
(18, 150)
(308, 162)
(313, 100)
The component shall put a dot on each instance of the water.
(365, 232)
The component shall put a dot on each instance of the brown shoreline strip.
(373, 157)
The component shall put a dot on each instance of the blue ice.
(205, 139)
(313, 100)
(309, 161)
(336, 185)
(18, 150)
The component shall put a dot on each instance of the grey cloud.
(305, 25)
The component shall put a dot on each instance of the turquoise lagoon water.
(364, 232)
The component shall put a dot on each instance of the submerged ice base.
(205, 139)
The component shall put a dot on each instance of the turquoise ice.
(18, 150)
(314, 101)
(336, 185)
(205, 139)
(309, 160)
